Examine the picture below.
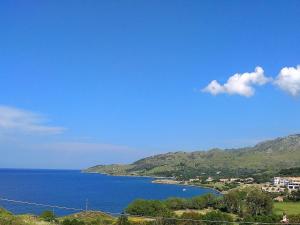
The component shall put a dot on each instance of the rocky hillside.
(265, 157)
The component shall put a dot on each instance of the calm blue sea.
(72, 188)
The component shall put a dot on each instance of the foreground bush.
(216, 216)
(193, 218)
(262, 219)
(6, 218)
(72, 222)
(123, 220)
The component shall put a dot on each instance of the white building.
(292, 183)
(280, 181)
(209, 179)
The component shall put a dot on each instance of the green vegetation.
(262, 161)
(294, 196)
(220, 186)
(263, 219)
(289, 208)
(89, 218)
(149, 208)
(212, 216)
(123, 220)
(258, 203)
(292, 172)
(243, 202)
(167, 207)
(72, 222)
(48, 216)
(7, 218)
(241, 205)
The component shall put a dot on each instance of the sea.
(76, 190)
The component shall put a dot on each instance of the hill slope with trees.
(265, 158)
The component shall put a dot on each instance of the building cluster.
(272, 189)
(291, 183)
(248, 180)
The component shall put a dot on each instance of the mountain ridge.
(266, 157)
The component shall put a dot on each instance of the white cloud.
(18, 120)
(240, 84)
(289, 80)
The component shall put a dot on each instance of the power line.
(40, 204)
(139, 216)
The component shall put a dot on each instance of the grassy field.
(289, 208)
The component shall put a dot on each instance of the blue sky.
(93, 82)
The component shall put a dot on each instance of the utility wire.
(39, 204)
(139, 216)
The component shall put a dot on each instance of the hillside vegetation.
(48, 218)
(265, 158)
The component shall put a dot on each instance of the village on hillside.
(280, 187)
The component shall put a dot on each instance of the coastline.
(127, 175)
(185, 184)
(159, 180)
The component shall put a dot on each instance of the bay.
(71, 188)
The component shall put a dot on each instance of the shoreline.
(127, 175)
(191, 185)
(158, 178)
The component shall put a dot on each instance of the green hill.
(265, 158)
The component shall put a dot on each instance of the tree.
(233, 201)
(258, 203)
(198, 202)
(204, 201)
(219, 204)
(148, 208)
(176, 203)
